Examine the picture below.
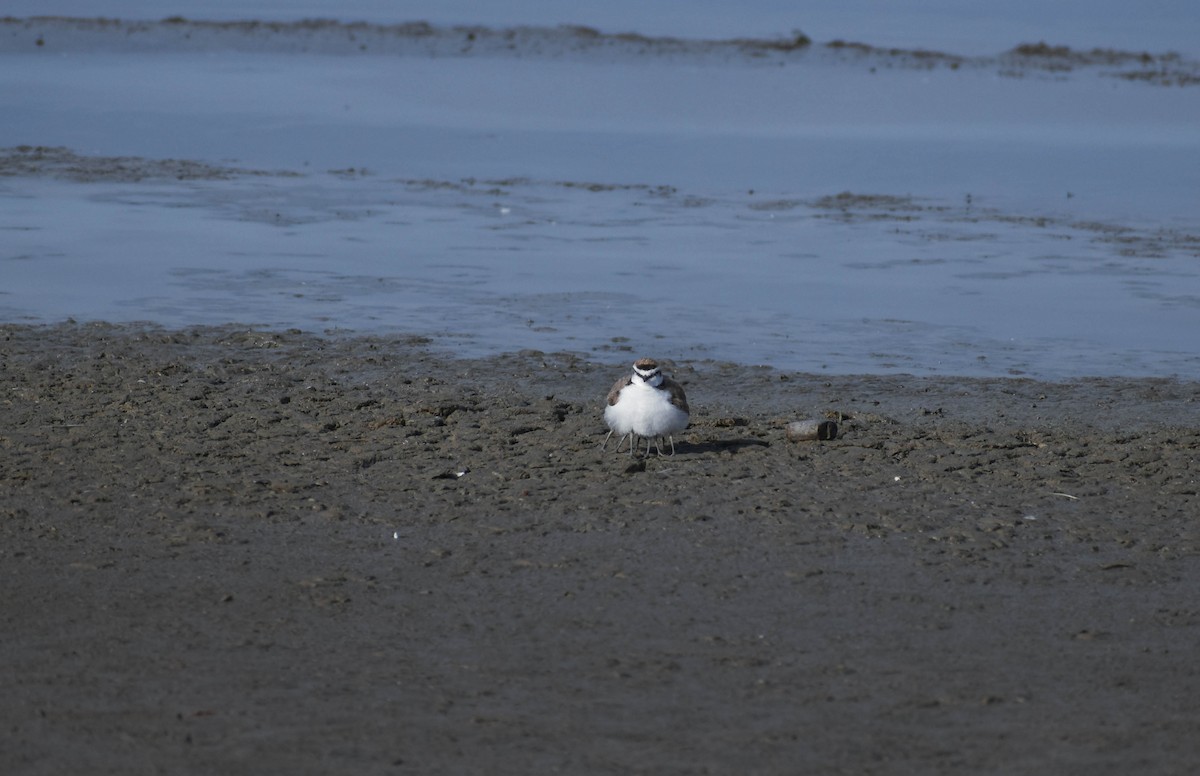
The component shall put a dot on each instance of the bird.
(645, 404)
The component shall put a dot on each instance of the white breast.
(646, 411)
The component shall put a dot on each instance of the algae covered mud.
(224, 548)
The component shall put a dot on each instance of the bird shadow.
(720, 446)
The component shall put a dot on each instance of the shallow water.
(815, 213)
(844, 284)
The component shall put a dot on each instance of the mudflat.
(231, 551)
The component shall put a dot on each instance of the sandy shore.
(246, 552)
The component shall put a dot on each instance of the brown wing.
(616, 389)
(677, 396)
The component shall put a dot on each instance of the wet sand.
(230, 551)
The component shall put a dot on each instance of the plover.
(645, 404)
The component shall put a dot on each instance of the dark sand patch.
(237, 552)
(58, 162)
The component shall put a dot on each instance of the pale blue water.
(1041, 226)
